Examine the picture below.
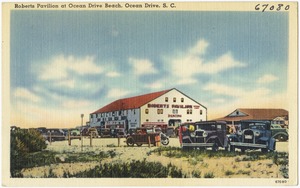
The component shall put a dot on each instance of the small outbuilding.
(275, 116)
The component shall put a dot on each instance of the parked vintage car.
(55, 135)
(88, 131)
(103, 132)
(253, 135)
(167, 130)
(279, 133)
(74, 132)
(118, 132)
(203, 134)
(140, 136)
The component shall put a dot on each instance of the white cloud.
(142, 66)
(61, 67)
(113, 74)
(267, 78)
(199, 48)
(155, 85)
(222, 89)
(192, 63)
(65, 83)
(241, 98)
(218, 100)
(23, 93)
(117, 93)
(184, 81)
(68, 73)
(76, 103)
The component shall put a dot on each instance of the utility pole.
(82, 115)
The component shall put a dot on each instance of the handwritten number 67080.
(278, 7)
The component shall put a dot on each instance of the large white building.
(169, 106)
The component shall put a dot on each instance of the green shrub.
(209, 175)
(175, 172)
(228, 172)
(247, 172)
(22, 143)
(134, 169)
(196, 174)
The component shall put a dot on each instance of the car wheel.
(215, 146)
(282, 137)
(264, 150)
(231, 148)
(130, 141)
(165, 141)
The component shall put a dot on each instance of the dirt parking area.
(221, 166)
(102, 143)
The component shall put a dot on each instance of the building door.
(126, 125)
(174, 122)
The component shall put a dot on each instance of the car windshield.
(207, 127)
(255, 125)
(276, 126)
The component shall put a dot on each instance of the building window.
(189, 111)
(174, 99)
(182, 99)
(201, 112)
(160, 111)
(146, 111)
(162, 120)
(166, 99)
(158, 120)
(147, 120)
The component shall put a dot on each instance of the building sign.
(172, 106)
(158, 106)
(181, 106)
(174, 115)
(196, 106)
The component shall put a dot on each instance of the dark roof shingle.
(131, 102)
(257, 114)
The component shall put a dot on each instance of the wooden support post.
(91, 139)
(81, 141)
(149, 141)
(50, 138)
(118, 141)
(157, 140)
(69, 137)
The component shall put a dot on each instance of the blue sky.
(64, 63)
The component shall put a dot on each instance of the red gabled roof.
(257, 114)
(131, 102)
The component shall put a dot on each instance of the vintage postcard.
(149, 93)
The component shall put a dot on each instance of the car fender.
(272, 142)
(232, 138)
(279, 133)
(214, 138)
(265, 139)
